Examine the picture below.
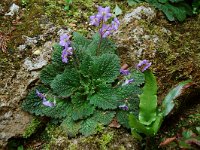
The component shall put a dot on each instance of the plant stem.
(99, 45)
(98, 49)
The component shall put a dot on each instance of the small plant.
(84, 87)
(32, 128)
(173, 9)
(105, 140)
(150, 115)
(24, 2)
(67, 4)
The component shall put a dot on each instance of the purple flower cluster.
(143, 65)
(45, 102)
(101, 18)
(67, 51)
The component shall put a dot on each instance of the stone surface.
(13, 10)
(136, 37)
(43, 55)
(140, 12)
(14, 88)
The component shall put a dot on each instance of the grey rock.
(12, 10)
(14, 88)
(44, 55)
(140, 12)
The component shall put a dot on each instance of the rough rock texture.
(173, 48)
(140, 12)
(43, 56)
(132, 39)
(13, 89)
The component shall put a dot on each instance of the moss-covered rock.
(111, 139)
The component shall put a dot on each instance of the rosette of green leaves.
(87, 89)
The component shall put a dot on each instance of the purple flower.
(115, 24)
(40, 95)
(68, 50)
(143, 65)
(127, 81)
(104, 31)
(123, 107)
(64, 56)
(95, 20)
(124, 72)
(47, 103)
(104, 13)
(64, 40)
(100, 19)
(44, 100)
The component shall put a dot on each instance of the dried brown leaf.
(114, 124)
(167, 141)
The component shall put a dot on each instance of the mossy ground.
(178, 58)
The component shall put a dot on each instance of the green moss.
(32, 128)
(105, 140)
(55, 138)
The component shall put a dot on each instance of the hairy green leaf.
(49, 72)
(71, 127)
(107, 46)
(134, 102)
(148, 99)
(88, 127)
(33, 104)
(103, 117)
(105, 99)
(56, 55)
(122, 118)
(162, 1)
(129, 90)
(85, 66)
(80, 44)
(65, 84)
(138, 77)
(176, 1)
(80, 40)
(106, 67)
(178, 12)
(78, 98)
(82, 110)
(168, 103)
(93, 46)
(110, 98)
(99, 47)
